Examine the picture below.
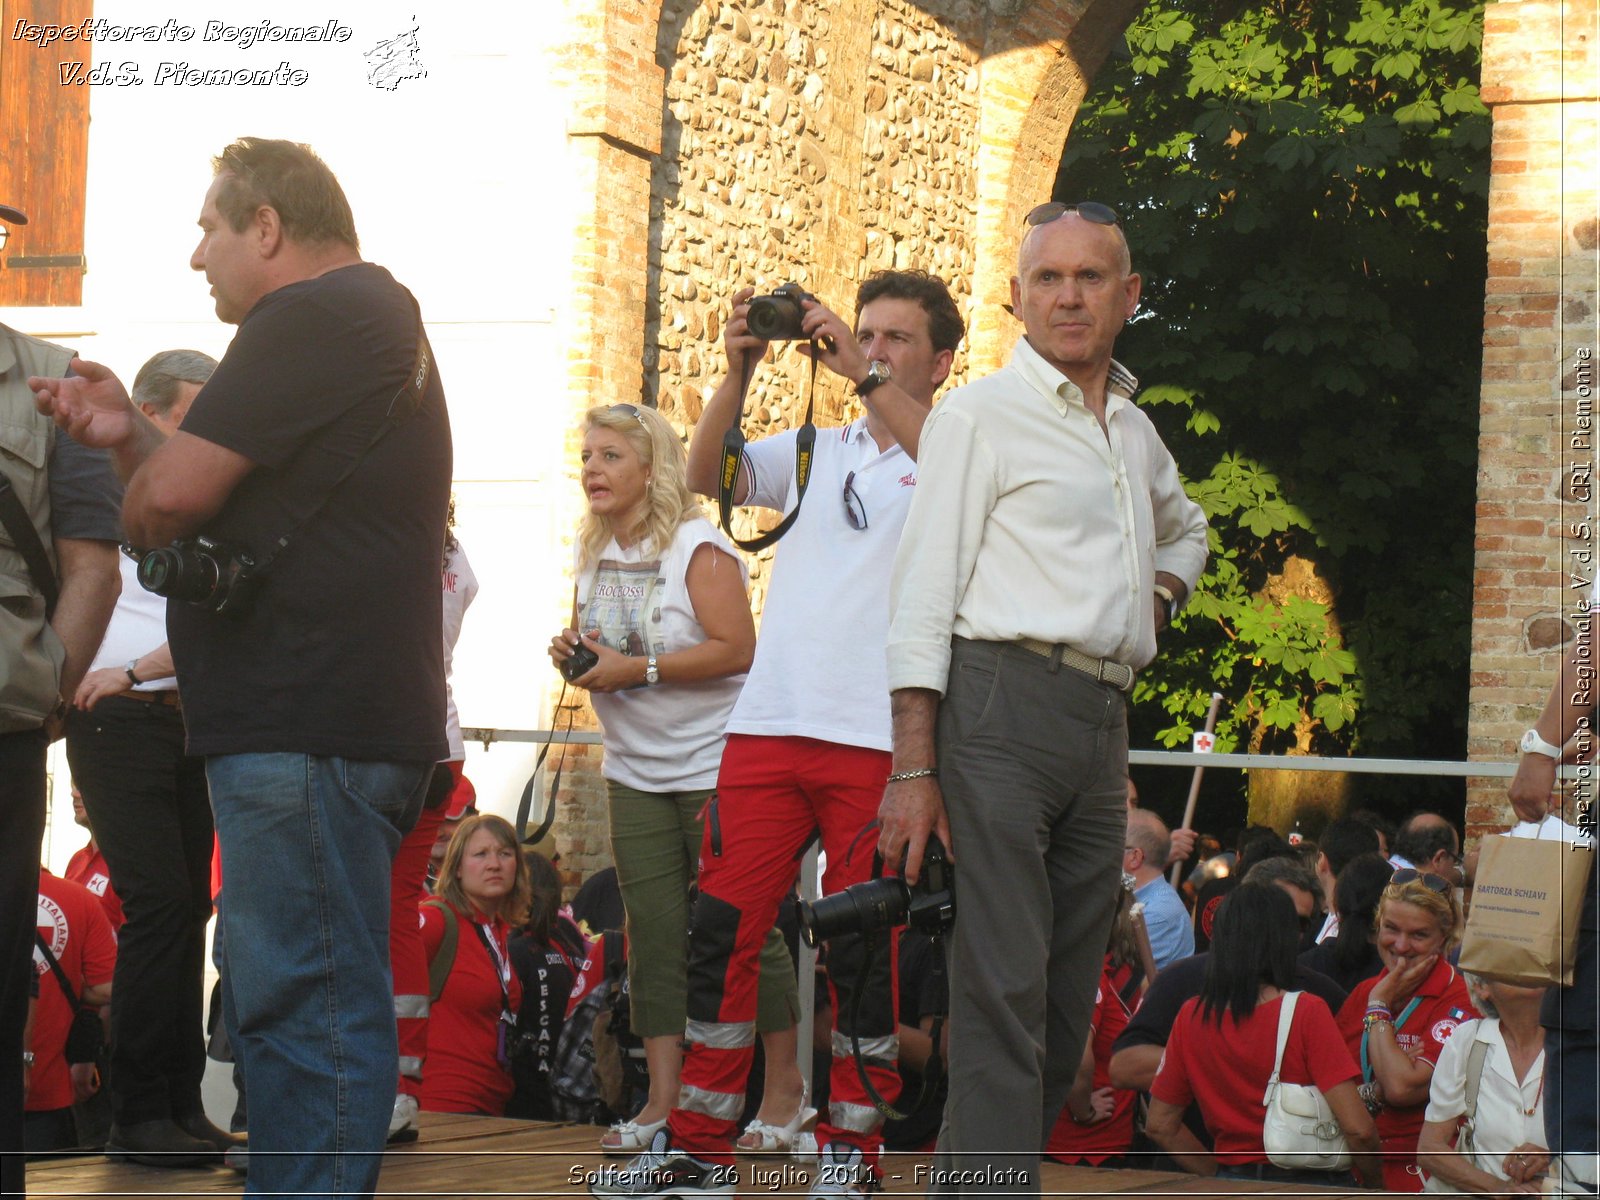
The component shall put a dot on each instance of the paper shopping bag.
(1526, 903)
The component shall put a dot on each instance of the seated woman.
(1352, 954)
(661, 607)
(1396, 1024)
(1507, 1154)
(482, 892)
(1223, 1044)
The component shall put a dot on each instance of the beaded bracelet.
(1372, 1021)
(925, 773)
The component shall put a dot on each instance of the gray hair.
(157, 382)
(1478, 987)
(1284, 870)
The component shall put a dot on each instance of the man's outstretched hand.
(90, 404)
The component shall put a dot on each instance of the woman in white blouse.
(1508, 1156)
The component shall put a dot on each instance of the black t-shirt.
(340, 651)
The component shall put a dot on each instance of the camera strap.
(25, 540)
(733, 443)
(406, 403)
(525, 804)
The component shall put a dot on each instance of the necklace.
(1528, 1112)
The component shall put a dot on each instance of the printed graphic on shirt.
(623, 607)
(52, 924)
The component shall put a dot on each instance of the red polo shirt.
(1443, 1004)
(76, 929)
(462, 1072)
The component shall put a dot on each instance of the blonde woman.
(661, 604)
(1397, 1023)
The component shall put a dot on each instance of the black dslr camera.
(883, 902)
(201, 572)
(776, 318)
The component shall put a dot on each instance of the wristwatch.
(1166, 594)
(132, 678)
(1532, 743)
(878, 373)
(651, 675)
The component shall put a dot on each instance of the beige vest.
(31, 656)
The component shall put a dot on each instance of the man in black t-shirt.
(320, 446)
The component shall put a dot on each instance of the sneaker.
(663, 1171)
(841, 1171)
(403, 1119)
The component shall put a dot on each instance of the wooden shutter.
(44, 155)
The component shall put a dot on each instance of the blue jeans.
(306, 846)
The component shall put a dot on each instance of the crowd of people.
(960, 602)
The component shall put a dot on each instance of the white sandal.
(632, 1137)
(769, 1138)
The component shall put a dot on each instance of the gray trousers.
(1033, 764)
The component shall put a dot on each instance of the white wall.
(457, 181)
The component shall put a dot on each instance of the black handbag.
(86, 1039)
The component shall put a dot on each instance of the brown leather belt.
(1102, 670)
(167, 699)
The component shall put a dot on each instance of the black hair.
(1255, 940)
(945, 327)
(1355, 898)
(1420, 838)
(1258, 844)
(1345, 839)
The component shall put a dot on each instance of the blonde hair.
(1443, 907)
(668, 501)
(514, 906)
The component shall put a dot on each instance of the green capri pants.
(655, 841)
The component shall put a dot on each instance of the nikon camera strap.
(733, 443)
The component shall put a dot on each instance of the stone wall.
(1536, 499)
(774, 140)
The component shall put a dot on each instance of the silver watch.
(1532, 743)
(877, 373)
(651, 675)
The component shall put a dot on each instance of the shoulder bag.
(1300, 1132)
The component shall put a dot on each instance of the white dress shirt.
(1030, 521)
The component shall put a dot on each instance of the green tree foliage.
(1304, 187)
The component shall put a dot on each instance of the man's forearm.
(90, 584)
(915, 714)
(900, 414)
(1572, 698)
(129, 456)
(705, 445)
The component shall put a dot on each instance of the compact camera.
(776, 318)
(580, 664)
(884, 902)
(201, 572)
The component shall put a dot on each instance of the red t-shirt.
(1443, 1004)
(88, 867)
(1093, 1144)
(79, 935)
(462, 1072)
(1224, 1070)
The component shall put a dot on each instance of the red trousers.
(773, 793)
(408, 962)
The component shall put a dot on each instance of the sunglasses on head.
(1434, 883)
(632, 411)
(1089, 210)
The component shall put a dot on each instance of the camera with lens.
(883, 902)
(580, 664)
(776, 318)
(202, 572)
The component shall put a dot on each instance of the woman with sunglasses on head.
(1397, 1022)
(661, 604)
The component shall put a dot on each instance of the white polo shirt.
(820, 670)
